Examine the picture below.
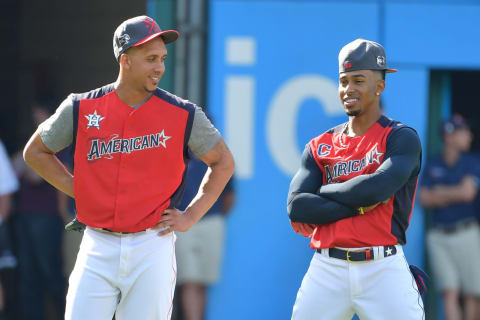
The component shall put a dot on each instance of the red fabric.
(342, 158)
(127, 190)
(368, 254)
(304, 229)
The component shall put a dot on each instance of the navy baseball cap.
(138, 30)
(363, 54)
(454, 123)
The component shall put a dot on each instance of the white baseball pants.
(335, 289)
(131, 276)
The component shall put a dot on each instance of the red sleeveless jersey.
(129, 163)
(341, 158)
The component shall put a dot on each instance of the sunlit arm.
(47, 165)
(220, 169)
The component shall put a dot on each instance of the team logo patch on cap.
(381, 61)
(123, 40)
(94, 120)
(347, 65)
(149, 23)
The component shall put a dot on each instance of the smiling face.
(144, 65)
(360, 90)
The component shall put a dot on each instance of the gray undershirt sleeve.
(57, 131)
(204, 135)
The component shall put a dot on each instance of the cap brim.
(391, 70)
(167, 36)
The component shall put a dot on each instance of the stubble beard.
(148, 90)
(352, 113)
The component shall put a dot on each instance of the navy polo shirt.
(437, 172)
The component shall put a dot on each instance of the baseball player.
(131, 142)
(353, 195)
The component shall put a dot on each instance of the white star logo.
(389, 251)
(94, 120)
(163, 139)
(375, 155)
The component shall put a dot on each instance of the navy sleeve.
(402, 160)
(304, 204)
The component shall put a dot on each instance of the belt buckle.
(367, 255)
(348, 255)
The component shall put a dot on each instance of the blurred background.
(266, 71)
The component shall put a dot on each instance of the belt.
(118, 233)
(354, 255)
(455, 227)
(121, 233)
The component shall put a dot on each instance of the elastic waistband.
(364, 254)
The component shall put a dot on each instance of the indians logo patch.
(94, 120)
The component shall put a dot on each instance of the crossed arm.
(304, 204)
(311, 202)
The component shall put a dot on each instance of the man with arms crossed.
(131, 142)
(353, 195)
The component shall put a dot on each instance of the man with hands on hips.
(131, 142)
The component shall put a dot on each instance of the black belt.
(358, 255)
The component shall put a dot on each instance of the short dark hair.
(382, 72)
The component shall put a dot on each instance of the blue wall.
(272, 86)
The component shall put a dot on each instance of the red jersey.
(341, 158)
(129, 163)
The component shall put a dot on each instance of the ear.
(379, 87)
(125, 61)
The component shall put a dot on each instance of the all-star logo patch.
(381, 61)
(123, 40)
(94, 120)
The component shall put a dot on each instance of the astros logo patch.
(94, 120)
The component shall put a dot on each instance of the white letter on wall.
(239, 105)
(239, 122)
(283, 112)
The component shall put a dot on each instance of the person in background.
(449, 189)
(199, 251)
(8, 185)
(41, 210)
